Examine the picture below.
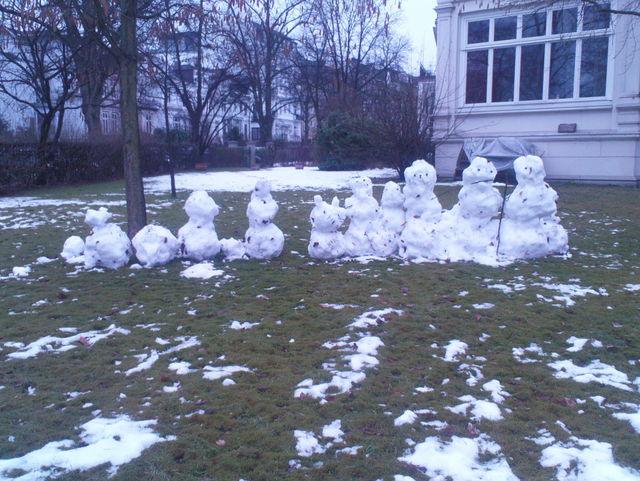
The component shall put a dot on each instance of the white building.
(563, 75)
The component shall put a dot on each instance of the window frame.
(520, 41)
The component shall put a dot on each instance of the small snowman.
(363, 212)
(423, 211)
(469, 230)
(530, 227)
(155, 245)
(107, 245)
(263, 239)
(198, 238)
(73, 250)
(326, 241)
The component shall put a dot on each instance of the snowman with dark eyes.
(363, 212)
(469, 230)
(326, 241)
(263, 239)
(531, 227)
(423, 211)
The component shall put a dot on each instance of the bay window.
(537, 56)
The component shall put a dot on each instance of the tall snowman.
(469, 230)
(263, 239)
(530, 227)
(362, 209)
(198, 238)
(423, 211)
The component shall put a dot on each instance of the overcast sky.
(417, 24)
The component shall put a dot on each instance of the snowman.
(263, 239)
(469, 230)
(198, 238)
(390, 222)
(107, 245)
(363, 212)
(73, 250)
(155, 245)
(423, 211)
(530, 227)
(326, 241)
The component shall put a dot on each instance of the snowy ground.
(299, 369)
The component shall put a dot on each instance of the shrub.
(344, 143)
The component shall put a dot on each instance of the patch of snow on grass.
(633, 418)
(596, 371)
(498, 394)
(407, 417)
(236, 325)
(519, 352)
(454, 349)
(461, 459)
(569, 291)
(48, 343)
(485, 305)
(632, 287)
(577, 343)
(114, 441)
(585, 460)
(212, 372)
(480, 409)
(203, 270)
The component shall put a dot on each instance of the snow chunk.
(633, 418)
(480, 409)
(212, 373)
(47, 343)
(115, 441)
(462, 459)
(155, 245)
(243, 325)
(585, 460)
(203, 270)
(408, 417)
(307, 444)
(485, 305)
(454, 349)
(73, 249)
(498, 394)
(596, 371)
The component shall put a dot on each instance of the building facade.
(565, 76)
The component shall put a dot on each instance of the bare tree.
(35, 71)
(359, 44)
(190, 58)
(260, 32)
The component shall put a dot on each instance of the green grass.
(256, 417)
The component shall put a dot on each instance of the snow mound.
(155, 245)
(107, 245)
(203, 270)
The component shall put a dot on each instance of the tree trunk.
(91, 95)
(136, 208)
(172, 172)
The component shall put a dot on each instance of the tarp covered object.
(502, 151)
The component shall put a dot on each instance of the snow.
(326, 242)
(461, 459)
(585, 460)
(633, 418)
(155, 245)
(480, 409)
(107, 245)
(596, 371)
(408, 417)
(498, 394)
(263, 239)
(49, 343)
(282, 178)
(216, 372)
(307, 444)
(198, 238)
(203, 270)
(73, 250)
(454, 349)
(243, 325)
(113, 441)
(21, 271)
(632, 287)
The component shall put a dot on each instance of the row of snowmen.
(108, 245)
(411, 222)
(408, 222)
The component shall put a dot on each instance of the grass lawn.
(301, 310)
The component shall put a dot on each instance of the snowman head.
(392, 195)
(262, 190)
(200, 205)
(480, 170)
(327, 217)
(420, 173)
(361, 186)
(97, 218)
(529, 170)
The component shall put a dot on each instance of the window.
(147, 125)
(538, 56)
(255, 134)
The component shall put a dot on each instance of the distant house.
(563, 75)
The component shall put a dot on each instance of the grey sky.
(418, 20)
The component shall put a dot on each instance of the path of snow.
(282, 178)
